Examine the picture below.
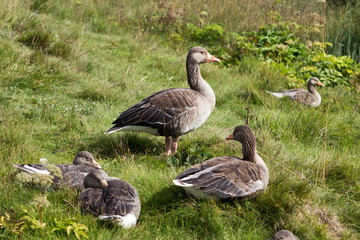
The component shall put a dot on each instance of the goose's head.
(96, 179)
(242, 133)
(315, 81)
(284, 235)
(200, 55)
(85, 158)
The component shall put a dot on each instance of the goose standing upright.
(72, 175)
(173, 112)
(311, 97)
(228, 177)
(110, 199)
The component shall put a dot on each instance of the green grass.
(55, 103)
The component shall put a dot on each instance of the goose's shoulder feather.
(224, 177)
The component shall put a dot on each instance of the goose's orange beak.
(230, 137)
(211, 58)
(96, 165)
(104, 183)
(320, 84)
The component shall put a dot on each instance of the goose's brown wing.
(205, 165)
(90, 200)
(303, 97)
(119, 198)
(158, 110)
(231, 179)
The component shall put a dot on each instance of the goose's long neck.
(250, 154)
(197, 83)
(315, 93)
(249, 149)
(312, 89)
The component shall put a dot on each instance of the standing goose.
(110, 199)
(284, 235)
(72, 175)
(176, 111)
(228, 177)
(311, 97)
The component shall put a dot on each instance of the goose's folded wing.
(119, 200)
(90, 200)
(32, 168)
(294, 92)
(228, 180)
(158, 109)
(205, 165)
(304, 97)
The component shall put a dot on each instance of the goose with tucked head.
(72, 175)
(110, 199)
(309, 97)
(228, 177)
(173, 112)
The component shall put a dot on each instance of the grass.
(57, 103)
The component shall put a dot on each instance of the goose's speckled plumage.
(284, 235)
(228, 177)
(173, 112)
(110, 199)
(73, 174)
(309, 97)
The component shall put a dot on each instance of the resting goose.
(284, 235)
(311, 97)
(72, 174)
(228, 177)
(110, 199)
(173, 112)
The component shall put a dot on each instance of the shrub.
(210, 34)
(278, 45)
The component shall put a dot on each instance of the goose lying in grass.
(228, 177)
(284, 235)
(110, 199)
(173, 112)
(64, 175)
(311, 97)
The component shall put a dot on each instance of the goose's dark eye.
(202, 52)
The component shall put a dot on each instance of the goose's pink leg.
(168, 146)
(174, 146)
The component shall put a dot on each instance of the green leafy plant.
(8, 223)
(31, 218)
(190, 157)
(276, 44)
(33, 214)
(71, 226)
(35, 179)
